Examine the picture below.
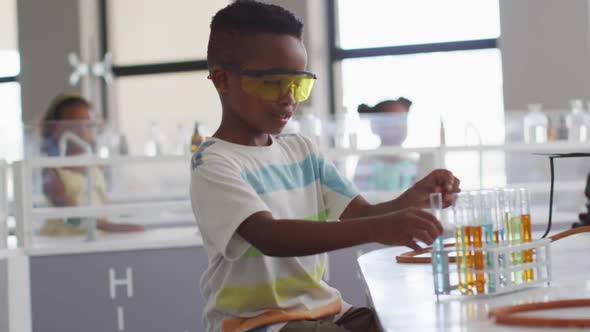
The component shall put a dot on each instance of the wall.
(7, 32)
(545, 52)
(47, 32)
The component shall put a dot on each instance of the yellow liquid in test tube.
(467, 254)
(525, 221)
(507, 227)
(478, 259)
(461, 267)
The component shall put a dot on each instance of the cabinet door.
(134, 291)
(344, 274)
(4, 316)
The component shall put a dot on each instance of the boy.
(254, 195)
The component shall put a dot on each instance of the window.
(10, 105)
(149, 33)
(159, 53)
(442, 55)
(379, 23)
(173, 101)
(441, 85)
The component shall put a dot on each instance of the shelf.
(107, 210)
(560, 186)
(558, 147)
(112, 161)
(384, 150)
(107, 242)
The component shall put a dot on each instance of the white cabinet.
(4, 296)
(140, 290)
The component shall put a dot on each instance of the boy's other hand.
(438, 181)
(404, 227)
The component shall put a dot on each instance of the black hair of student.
(364, 108)
(231, 24)
(406, 102)
(55, 110)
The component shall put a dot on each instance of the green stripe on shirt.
(269, 294)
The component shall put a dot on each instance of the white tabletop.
(403, 294)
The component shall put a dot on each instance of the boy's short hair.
(231, 24)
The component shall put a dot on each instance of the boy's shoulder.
(215, 151)
(208, 149)
(295, 139)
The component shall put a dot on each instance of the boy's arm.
(289, 238)
(442, 181)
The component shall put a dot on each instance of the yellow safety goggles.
(272, 85)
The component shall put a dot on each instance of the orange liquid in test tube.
(478, 258)
(468, 255)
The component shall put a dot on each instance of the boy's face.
(250, 114)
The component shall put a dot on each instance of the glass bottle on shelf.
(535, 125)
(577, 122)
(311, 126)
(123, 145)
(553, 127)
(562, 129)
(196, 138)
(153, 143)
(181, 144)
(346, 129)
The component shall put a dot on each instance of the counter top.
(403, 294)
(158, 238)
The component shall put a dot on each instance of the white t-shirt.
(291, 179)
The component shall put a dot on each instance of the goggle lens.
(274, 87)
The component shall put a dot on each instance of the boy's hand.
(438, 181)
(404, 227)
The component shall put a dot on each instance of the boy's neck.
(237, 137)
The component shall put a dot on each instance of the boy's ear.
(220, 79)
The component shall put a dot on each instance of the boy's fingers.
(456, 185)
(424, 231)
(413, 245)
(424, 236)
(445, 179)
(429, 222)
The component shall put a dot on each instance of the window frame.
(338, 54)
(194, 65)
(8, 79)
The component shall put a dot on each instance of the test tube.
(525, 221)
(440, 261)
(489, 212)
(513, 219)
(461, 213)
(477, 240)
(497, 214)
(501, 234)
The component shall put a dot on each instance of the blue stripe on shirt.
(297, 175)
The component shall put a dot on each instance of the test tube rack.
(455, 275)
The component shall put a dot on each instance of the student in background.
(389, 121)
(72, 115)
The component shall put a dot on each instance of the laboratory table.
(404, 300)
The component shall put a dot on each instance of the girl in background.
(67, 186)
(387, 173)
